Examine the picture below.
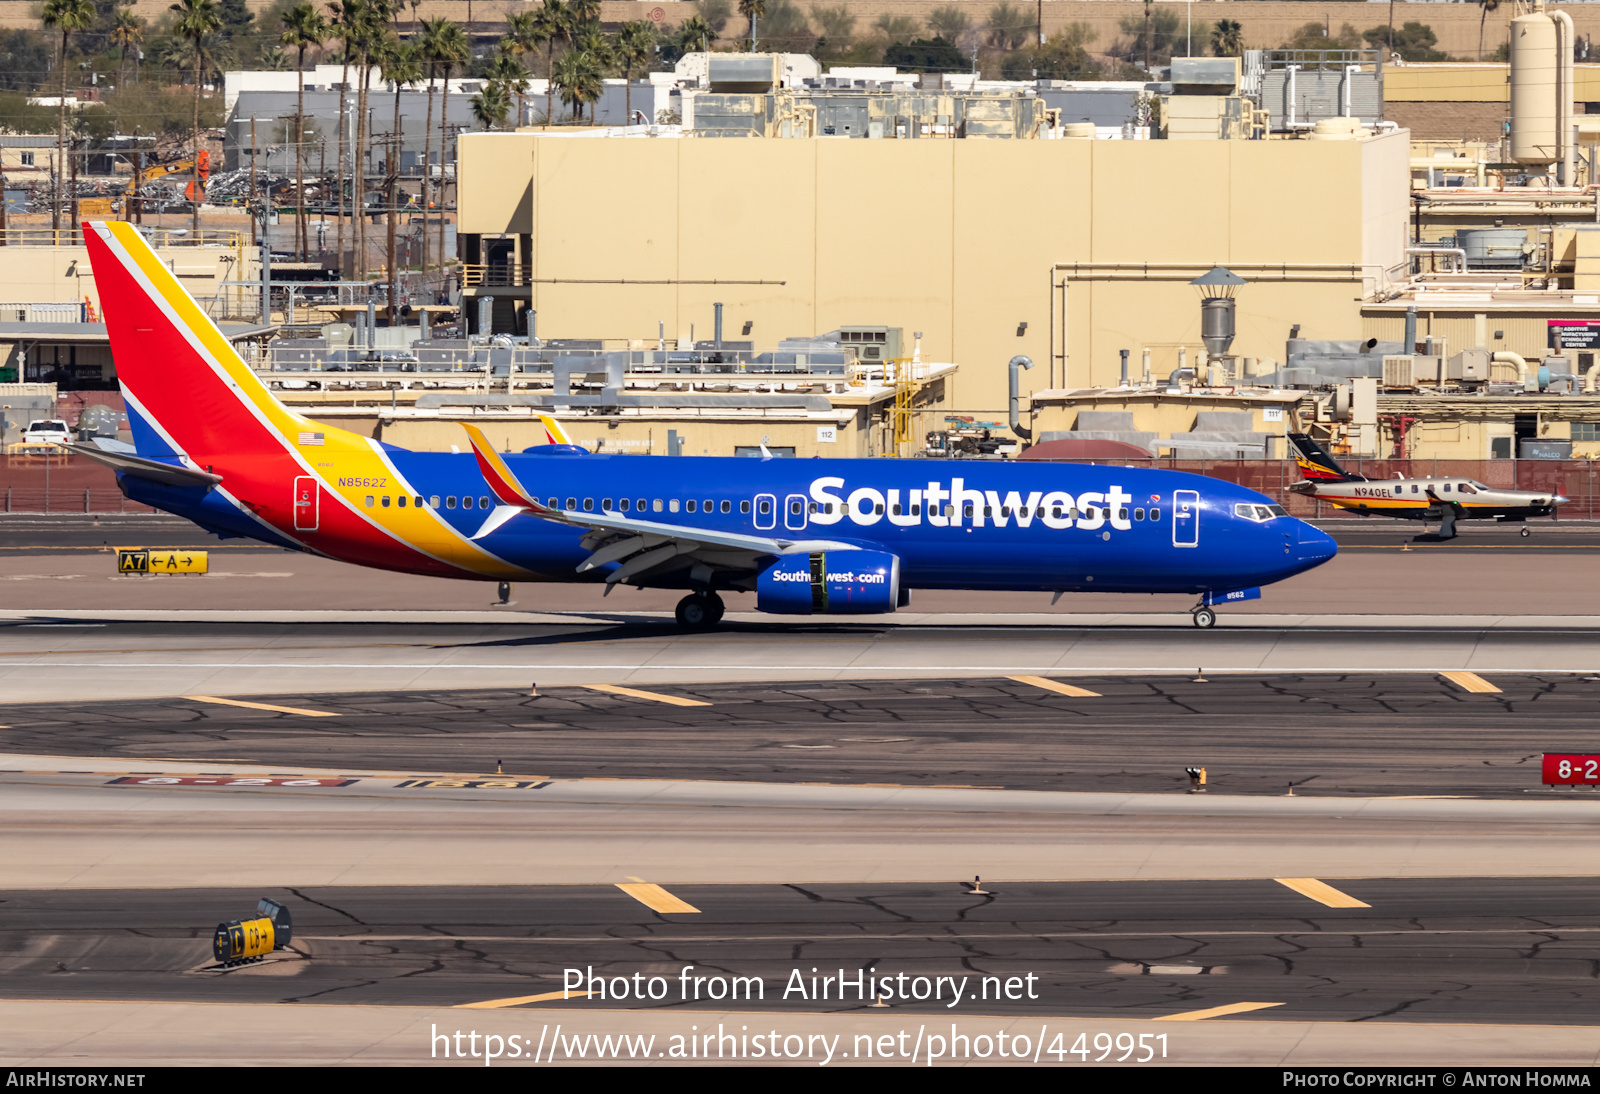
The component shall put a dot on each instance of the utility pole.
(392, 154)
(3, 243)
(72, 228)
(254, 238)
(1039, 22)
(322, 194)
(1147, 35)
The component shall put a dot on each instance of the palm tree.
(342, 27)
(896, 28)
(373, 41)
(492, 105)
(522, 37)
(751, 9)
(696, 34)
(949, 22)
(127, 34)
(507, 71)
(429, 44)
(1487, 6)
(1227, 38)
(635, 45)
(65, 16)
(451, 49)
(303, 27)
(554, 20)
(578, 77)
(402, 67)
(196, 20)
(584, 12)
(593, 44)
(839, 26)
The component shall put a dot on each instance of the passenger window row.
(385, 501)
(643, 505)
(695, 505)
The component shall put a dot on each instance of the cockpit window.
(1257, 513)
(1465, 488)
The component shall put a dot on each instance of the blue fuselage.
(952, 524)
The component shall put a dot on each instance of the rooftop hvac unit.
(1410, 370)
(1469, 366)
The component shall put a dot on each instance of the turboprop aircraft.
(1443, 498)
(806, 537)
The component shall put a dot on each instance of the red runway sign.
(1571, 768)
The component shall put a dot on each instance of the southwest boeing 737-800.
(834, 536)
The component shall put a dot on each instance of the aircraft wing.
(639, 545)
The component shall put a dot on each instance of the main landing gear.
(700, 611)
(1525, 532)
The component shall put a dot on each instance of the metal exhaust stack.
(1217, 288)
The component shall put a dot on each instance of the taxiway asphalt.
(1330, 734)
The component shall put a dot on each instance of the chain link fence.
(75, 484)
(62, 484)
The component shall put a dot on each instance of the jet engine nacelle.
(830, 583)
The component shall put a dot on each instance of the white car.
(46, 431)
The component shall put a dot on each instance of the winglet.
(502, 480)
(553, 430)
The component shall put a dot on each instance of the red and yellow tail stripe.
(187, 381)
(1316, 472)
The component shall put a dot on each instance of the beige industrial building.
(1063, 250)
(790, 414)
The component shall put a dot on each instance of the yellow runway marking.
(496, 1004)
(262, 706)
(655, 897)
(1321, 892)
(1055, 685)
(1214, 1012)
(653, 696)
(1469, 681)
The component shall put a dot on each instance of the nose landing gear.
(700, 611)
(1204, 617)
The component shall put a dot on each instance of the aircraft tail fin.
(1314, 462)
(189, 394)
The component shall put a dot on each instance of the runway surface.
(90, 826)
(1329, 734)
(97, 655)
(1489, 950)
(822, 792)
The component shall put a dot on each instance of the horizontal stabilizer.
(141, 468)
